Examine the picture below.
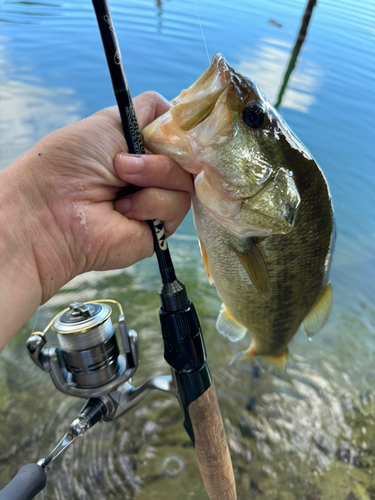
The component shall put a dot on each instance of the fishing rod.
(184, 348)
(88, 363)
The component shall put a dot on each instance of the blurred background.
(310, 436)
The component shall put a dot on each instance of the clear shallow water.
(311, 436)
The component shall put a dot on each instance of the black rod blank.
(130, 123)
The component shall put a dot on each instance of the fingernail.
(131, 164)
(126, 205)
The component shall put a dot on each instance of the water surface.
(310, 436)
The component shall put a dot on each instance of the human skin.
(59, 212)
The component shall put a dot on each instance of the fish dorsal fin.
(318, 315)
(205, 262)
(253, 263)
(228, 326)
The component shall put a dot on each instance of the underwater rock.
(349, 457)
(351, 497)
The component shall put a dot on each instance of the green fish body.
(262, 210)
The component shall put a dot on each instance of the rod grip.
(211, 447)
(27, 483)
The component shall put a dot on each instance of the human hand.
(65, 189)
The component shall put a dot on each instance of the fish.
(262, 209)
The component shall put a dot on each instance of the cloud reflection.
(29, 111)
(267, 68)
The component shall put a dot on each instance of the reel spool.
(88, 344)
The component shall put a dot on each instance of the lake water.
(310, 436)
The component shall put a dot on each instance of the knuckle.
(164, 169)
(152, 95)
(168, 167)
(148, 246)
(185, 203)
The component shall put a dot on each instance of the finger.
(118, 242)
(149, 106)
(153, 203)
(153, 171)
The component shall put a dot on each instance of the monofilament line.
(200, 24)
(36, 319)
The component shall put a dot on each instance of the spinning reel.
(88, 364)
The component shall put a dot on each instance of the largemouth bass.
(262, 209)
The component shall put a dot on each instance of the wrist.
(43, 230)
(20, 291)
(35, 257)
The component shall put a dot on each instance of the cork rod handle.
(211, 447)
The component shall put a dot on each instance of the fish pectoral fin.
(318, 315)
(205, 262)
(253, 263)
(228, 326)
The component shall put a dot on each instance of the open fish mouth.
(196, 103)
(192, 116)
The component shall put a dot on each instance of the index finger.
(149, 106)
(153, 171)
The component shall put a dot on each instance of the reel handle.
(211, 447)
(27, 483)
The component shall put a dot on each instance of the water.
(310, 436)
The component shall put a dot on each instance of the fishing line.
(200, 24)
(36, 319)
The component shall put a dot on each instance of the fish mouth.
(196, 103)
(197, 114)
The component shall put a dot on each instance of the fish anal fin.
(228, 326)
(254, 265)
(205, 262)
(319, 313)
(275, 364)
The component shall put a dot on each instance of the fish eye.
(253, 115)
